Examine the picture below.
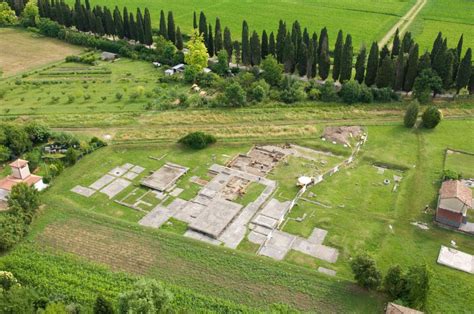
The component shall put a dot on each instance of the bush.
(235, 95)
(292, 90)
(314, 94)
(118, 95)
(259, 90)
(411, 115)
(197, 140)
(328, 92)
(272, 71)
(71, 156)
(394, 282)
(431, 117)
(450, 175)
(366, 95)
(350, 92)
(365, 272)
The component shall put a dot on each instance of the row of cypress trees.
(309, 55)
(100, 20)
(169, 31)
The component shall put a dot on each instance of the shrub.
(292, 90)
(366, 95)
(235, 95)
(394, 282)
(418, 285)
(431, 117)
(70, 99)
(148, 296)
(197, 140)
(71, 156)
(328, 92)
(365, 272)
(450, 175)
(118, 95)
(272, 71)
(350, 92)
(411, 115)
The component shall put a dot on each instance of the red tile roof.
(8, 182)
(456, 189)
(19, 163)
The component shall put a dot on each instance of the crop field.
(366, 20)
(452, 17)
(29, 50)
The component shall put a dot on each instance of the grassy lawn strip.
(253, 191)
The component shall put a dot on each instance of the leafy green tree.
(418, 285)
(23, 201)
(385, 73)
(360, 65)
(103, 306)
(126, 23)
(411, 115)
(372, 65)
(222, 66)
(4, 153)
(12, 230)
(365, 272)
(72, 156)
(245, 44)
(147, 32)
(426, 83)
(237, 49)
(163, 30)
(394, 282)
(431, 117)
(18, 299)
(171, 28)
(235, 95)
(412, 69)
(336, 69)
(464, 71)
(30, 15)
(346, 60)
(228, 46)
(18, 140)
(272, 71)
(148, 296)
(38, 133)
(133, 28)
(55, 308)
(197, 55)
(7, 15)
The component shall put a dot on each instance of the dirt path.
(404, 22)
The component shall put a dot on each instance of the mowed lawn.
(452, 17)
(366, 20)
(461, 163)
(22, 50)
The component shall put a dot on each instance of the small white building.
(176, 69)
(20, 174)
(156, 64)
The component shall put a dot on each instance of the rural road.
(404, 22)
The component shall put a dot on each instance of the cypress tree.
(228, 46)
(437, 44)
(459, 47)
(264, 44)
(324, 60)
(218, 42)
(412, 69)
(396, 44)
(272, 45)
(86, 14)
(360, 65)
(470, 86)
(306, 38)
(118, 22)
(88, 5)
(255, 49)
(438, 62)
(399, 72)
(126, 23)
(195, 25)
(385, 73)
(163, 31)
(140, 29)
(383, 53)
(346, 60)
(310, 70)
(78, 15)
(425, 62)
(336, 68)
(179, 39)
(203, 26)
(147, 32)
(315, 56)
(99, 26)
(457, 57)
(238, 52)
(288, 54)
(303, 60)
(296, 33)
(447, 75)
(109, 22)
(407, 43)
(133, 27)
(245, 44)
(280, 41)
(171, 28)
(464, 71)
(210, 42)
(323, 36)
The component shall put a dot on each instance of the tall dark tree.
(314, 58)
(228, 45)
(140, 27)
(238, 52)
(447, 73)
(255, 49)
(289, 54)
(109, 22)
(306, 39)
(133, 28)
(126, 23)
(118, 22)
(163, 31)
(245, 43)
(360, 65)
(336, 68)
(324, 60)
(400, 65)
(437, 44)
(218, 42)
(302, 64)
(195, 25)
(203, 26)
(383, 53)
(396, 44)
(412, 69)
(346, 60)
(280, 41)
(171, 28)
(272, 45)
(322, 37)
(407, 43)
(464, 71)
(438, 61)
(459, 46)
(179, 39)
(147, 32)
(470, 85)
(385, 73)
(310, 61)
(424, 62)
(264, 44)
(210, 42)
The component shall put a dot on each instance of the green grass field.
(461, 163)
(366, 20)
(452, 17)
